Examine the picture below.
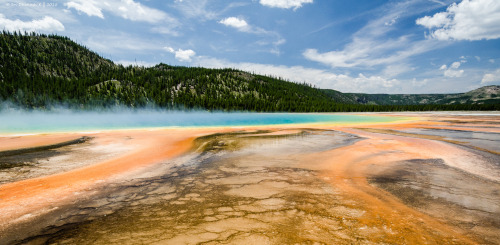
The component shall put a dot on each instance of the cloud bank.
(46, 24)
(469, 20)
(493, 77)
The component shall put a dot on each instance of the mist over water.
(62, 120)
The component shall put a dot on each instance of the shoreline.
(21, 199)
(292, 124)
(348, 170)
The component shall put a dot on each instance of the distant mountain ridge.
(38, 71)
(484, 95)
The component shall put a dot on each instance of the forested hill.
(39, 71)
(483, 95)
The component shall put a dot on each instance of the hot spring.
(12, 122)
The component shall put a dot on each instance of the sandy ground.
(292, 184)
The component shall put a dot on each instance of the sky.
(368, 46)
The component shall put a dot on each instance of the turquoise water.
(37, 122)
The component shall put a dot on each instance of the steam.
(15, 120)
(62, 119)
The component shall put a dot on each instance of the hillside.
(39, 71)
(483, 95)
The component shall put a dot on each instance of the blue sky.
(372, 46)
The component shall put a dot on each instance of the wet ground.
(35, 162)
(483, 140)
(448, 194)
(427, 183)
(223, 194)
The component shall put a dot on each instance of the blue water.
(37, 122)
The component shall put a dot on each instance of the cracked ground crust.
(227, 198)
(224, 200)
(234, 197)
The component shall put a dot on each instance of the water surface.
(36, 122)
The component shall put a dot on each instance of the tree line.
(38, 71)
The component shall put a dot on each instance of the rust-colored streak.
(34, 196)
(346, 169)
(380, 216)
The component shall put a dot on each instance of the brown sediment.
(482, 124)
(238, 198)
(473, 128)
(279, 185)
(22, 200)
(429, 137)
(476, 128)
(278, 133)
(347, 169)
(33, 141)
(44, 147)
(433, 125)
(448, 122)
(423, 136)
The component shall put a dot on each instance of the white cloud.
(184, 55)
(243, 26)
(391, 22)
(236, 22)
(453, 73)
(493, 77)
(169, 30)
(394, 70)
(438, 2)
(47, 23)
(196, 9)
(455, 65)
(119, 42)
(371, 45)
(420, 83)
(369, 52)
(275, 49)
(453, 70)
(127, 9)
(28, 10)
(438, 20)
(491, 61)
(181, 54)
(88, 7)
(285, 4)
(468, 20)
(432, 82)
(318, 77)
